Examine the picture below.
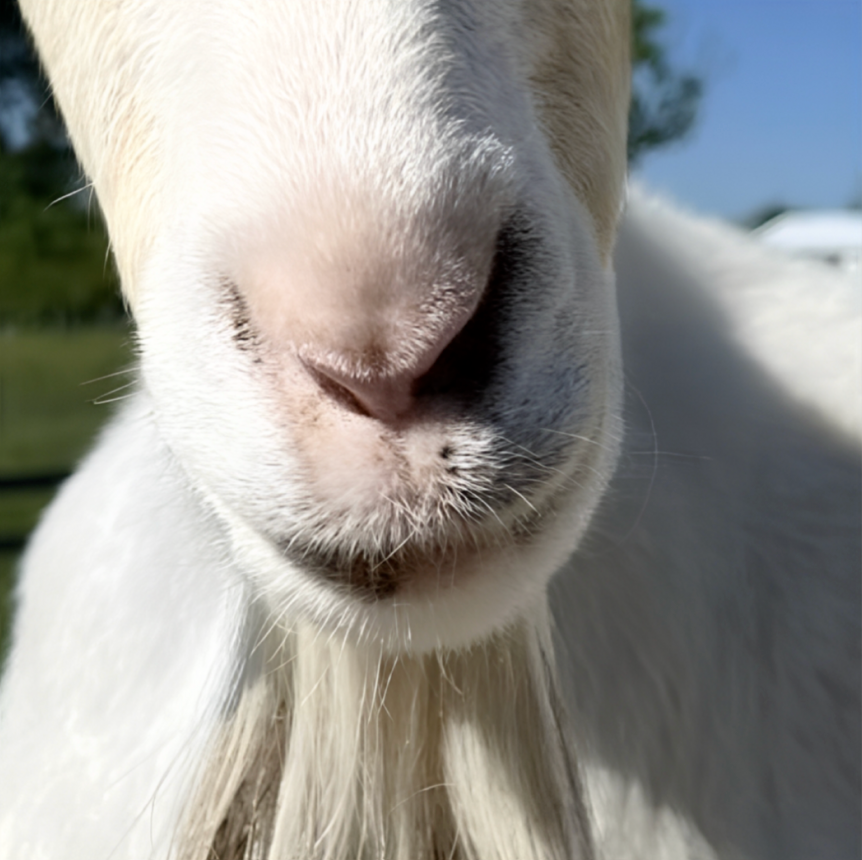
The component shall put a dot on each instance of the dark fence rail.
(11, 483)
(31, 482)
(12, 544)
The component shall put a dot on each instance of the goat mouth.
(373, 577)
(411, 567)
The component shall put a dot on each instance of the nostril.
(337, 392)
(380, 360)
(381, 382)
(465, 367)
(383, 398)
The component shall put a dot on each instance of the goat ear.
(580, 70)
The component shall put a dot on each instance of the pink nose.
(387, 394)
(383, 398)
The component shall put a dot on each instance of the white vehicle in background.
(832, 235)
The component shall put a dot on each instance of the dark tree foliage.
(763, 214)
(664, 101)
(28, 114)
(53, 249)
(54, 266)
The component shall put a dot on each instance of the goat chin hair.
(347, 752)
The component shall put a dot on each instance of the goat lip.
(374, 579)
(409, 569)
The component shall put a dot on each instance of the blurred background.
(748, 110)
(780, 120)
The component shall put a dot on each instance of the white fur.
(291, 608)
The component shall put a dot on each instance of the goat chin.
(295, 604)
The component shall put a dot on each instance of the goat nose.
(382, 386)
(383, 398)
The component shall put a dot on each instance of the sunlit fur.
(294, 605)
(412, 757)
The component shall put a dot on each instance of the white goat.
(294, 605)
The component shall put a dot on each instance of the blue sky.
(781, 119)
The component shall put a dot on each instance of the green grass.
(54, 262)
(55, 391)
(55, 388)
(20, 509)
